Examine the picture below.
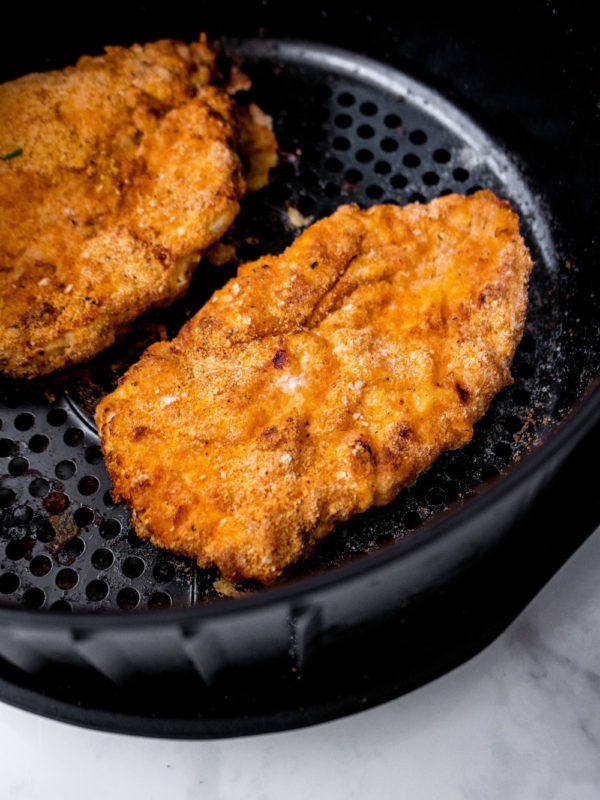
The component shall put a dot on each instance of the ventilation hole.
(16, 549)
(365, 131)
(444, 192)
(473, 189)
(66, 579)
(528, 343)
(416, 197)
(22, 515)
(33, 598)
(109, 528)
(44, 531)
(107, 500)
(488, 471)
(163, 571)
(346, 99)
(73, 437)
(89, 484)
(83, 517)
(436, 496)
(132, 567)
(460, 174)
(374, 192)
(368, 108)
(441, 156)
(56, 417)
(363, 156)
(392, 121)
(411, 519)
(9, 583)
(61, 605)
(7, 447)
(382, 168)
(23, 422)
(96, 590)
(71, 551)
(55, 502)
(341, 143)
(39, 487)
(431, 179)
(102, 558)
(353, 175)
(388, 145)
(133, 539)
(93, 454)
(331, 190)
(503, 450)
(306, 205)
(128, 598)
(418, 137)
(398, 181)
(65, 470)
(343, 121)
(334, 165)
(513, 424)
(40, 566)
(521, 397)
(525, 370)
(75, 546)
(38, 443)
(159, 600)
(18, 466)
(6, 496)
(411, 160)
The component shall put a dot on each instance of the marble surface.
(520, 721)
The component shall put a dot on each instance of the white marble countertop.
(519, 721)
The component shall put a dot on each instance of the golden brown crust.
(319, 382)
(129, 170)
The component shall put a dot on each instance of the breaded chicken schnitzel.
(115, 175)
(319, 382)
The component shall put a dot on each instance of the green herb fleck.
(18, 151)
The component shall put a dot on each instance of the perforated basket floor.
(349, 131)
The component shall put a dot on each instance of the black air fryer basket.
(389, 104)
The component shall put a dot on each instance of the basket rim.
(581, 418)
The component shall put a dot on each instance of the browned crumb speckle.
(128, 169)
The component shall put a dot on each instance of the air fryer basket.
(351, 129)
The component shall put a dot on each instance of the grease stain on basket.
(65, 528)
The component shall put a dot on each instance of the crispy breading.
(319, 382)
(124, 169)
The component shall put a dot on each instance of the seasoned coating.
(115, 175)
(319, 382)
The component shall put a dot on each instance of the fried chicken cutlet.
(319, 382)
(115, 175)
